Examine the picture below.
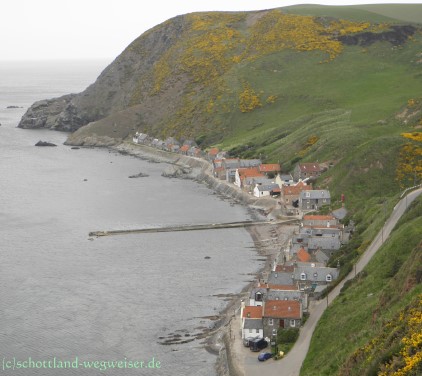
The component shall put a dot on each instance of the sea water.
(69, 300)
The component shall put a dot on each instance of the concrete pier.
(212, 226)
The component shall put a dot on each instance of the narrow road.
(291, 364)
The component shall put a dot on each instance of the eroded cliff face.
(207, 75)
(124, 83)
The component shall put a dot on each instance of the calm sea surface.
(65, 296)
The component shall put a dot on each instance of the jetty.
(192, 227)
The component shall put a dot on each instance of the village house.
(248, 163)
(291, 193)
(308, 277)
(280, 278)
(298, 295)
(194, 152)
(252, 181)
(227, 170)
(253, 328)
(324, 243)
(230, 165)
(301, 239)
(252, 325)
(259, 294)
(243, 173)
(319, 221)
(281, 314)
(307, 170)
(140, 138)
(314, 199)
(270, 169)
(262, 190)
(184, 149)
(212, 153)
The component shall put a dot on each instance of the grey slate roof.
(315, 194)
(317, 274)
(250, 162)
(324, 242)
(267, 187)
(252, 180)
(280, 278)
(253, 324)
(340, 213)
(321, 256)
(284, 295)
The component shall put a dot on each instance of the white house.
(262, 190)
(252, 325)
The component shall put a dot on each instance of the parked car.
(258, 344)
(247, 341)
(264, 356)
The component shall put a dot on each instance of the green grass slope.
(374, 326)
(406, 13)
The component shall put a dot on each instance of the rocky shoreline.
(220, 339)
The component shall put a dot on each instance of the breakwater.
(212, 226)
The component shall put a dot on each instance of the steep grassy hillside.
(374, 327)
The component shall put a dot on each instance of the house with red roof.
(243, 173)
(303, 256)
(270, 169)
(281, 314)
(307, 171)
(291, 193)
(252, 325)
(184, 149)
(319, 221)
(212, 153)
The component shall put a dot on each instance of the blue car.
(264, 356)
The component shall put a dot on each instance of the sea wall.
(200, 170)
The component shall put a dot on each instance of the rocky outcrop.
(44, 114)
(124, 83)
(44, 143)
(397, 36)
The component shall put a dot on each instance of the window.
(303, 276)
(315, 275)
(292, 323)
(270, 322)
(274, 332)
(307, 194)
(328, 278)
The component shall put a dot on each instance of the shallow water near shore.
(129, 298)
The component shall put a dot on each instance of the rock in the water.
(44, 143)
(14, 107)
(140, 175)
(75, 147)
